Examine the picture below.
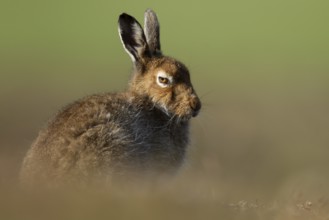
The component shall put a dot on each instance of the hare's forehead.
(163, 73)
(171, 72)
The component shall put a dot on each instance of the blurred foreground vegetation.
(260, 146)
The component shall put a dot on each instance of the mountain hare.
(143, 130)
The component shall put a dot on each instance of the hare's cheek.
(162, 97)
(182, 107)
(166, 95)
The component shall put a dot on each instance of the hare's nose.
(195, 105)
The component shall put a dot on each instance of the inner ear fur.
(133, 38)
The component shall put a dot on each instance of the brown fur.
(142, 131)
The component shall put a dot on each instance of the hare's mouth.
(182, 117)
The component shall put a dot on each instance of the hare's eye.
(163, 79)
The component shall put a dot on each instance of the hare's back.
(80, 136)
(92, 115)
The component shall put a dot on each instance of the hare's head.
(164, 80)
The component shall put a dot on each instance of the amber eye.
(163, 80)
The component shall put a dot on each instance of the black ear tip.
(124, 15)
(126, 18)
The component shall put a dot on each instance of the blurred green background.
(260, 67)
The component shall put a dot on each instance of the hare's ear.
(133, 38)
(152, 31)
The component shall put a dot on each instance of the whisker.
(206, 94)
